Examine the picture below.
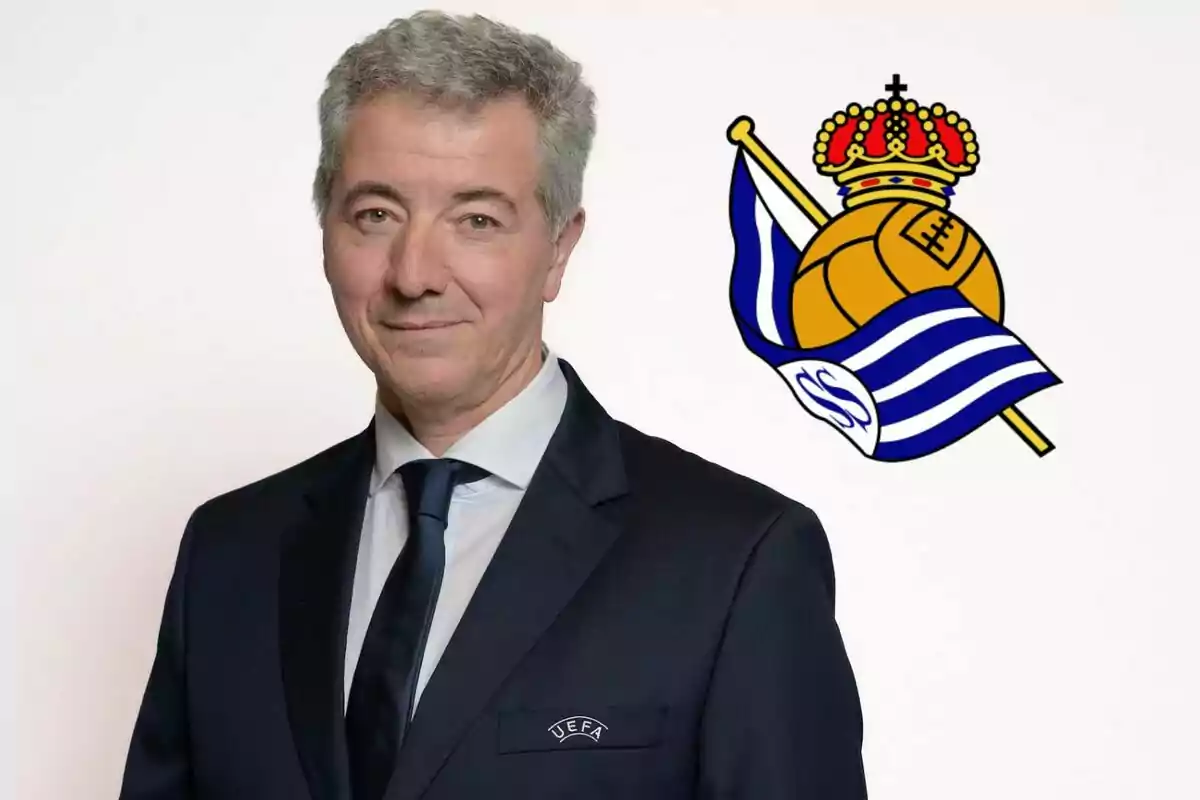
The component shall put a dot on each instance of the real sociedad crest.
(887, 323)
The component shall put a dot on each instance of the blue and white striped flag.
(922, 374)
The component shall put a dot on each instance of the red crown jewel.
(896, 148)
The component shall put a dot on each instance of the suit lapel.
(554, 542)
(315, 583)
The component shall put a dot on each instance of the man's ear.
(563, 246)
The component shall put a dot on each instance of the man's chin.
(424, 381)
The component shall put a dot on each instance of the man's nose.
(416, 266)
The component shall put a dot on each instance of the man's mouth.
(420, 325)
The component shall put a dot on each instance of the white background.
(1020, 627)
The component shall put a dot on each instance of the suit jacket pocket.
(529, 730)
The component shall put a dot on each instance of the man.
(494, 590)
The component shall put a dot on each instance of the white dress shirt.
(508, 444)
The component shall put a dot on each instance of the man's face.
(436, 249)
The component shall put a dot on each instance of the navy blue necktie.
(385, 680)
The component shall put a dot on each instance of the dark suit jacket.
(685, 611)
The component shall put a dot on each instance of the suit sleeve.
(158, 766)
(783, 719)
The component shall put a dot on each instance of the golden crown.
(896, 148)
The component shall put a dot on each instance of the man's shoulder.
(286, 484)
(673, 475)
(696, 506)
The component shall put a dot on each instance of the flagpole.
(741, 133)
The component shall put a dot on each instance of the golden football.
(871, 256)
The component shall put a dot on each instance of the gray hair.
(461, 61)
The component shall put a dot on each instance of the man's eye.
(480, 222)
(372, 215)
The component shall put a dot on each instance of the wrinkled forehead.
(406, 139)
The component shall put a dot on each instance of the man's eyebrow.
(364, 188)
(485, 193)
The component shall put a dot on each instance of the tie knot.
(429, 483)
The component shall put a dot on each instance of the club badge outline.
(886, 321)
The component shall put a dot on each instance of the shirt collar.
(509, 443)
